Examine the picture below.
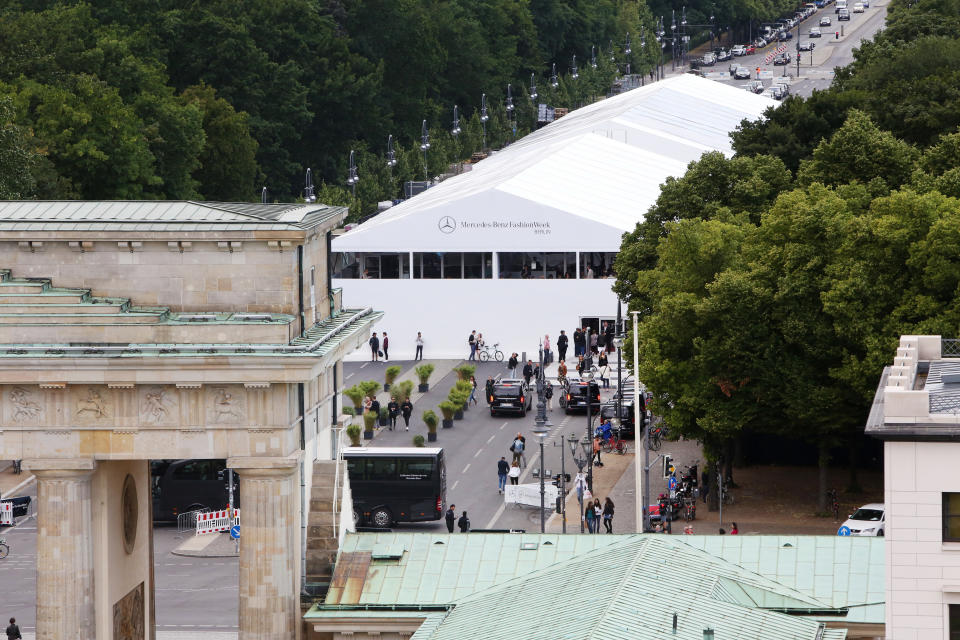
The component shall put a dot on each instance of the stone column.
(65, 595)
(269, 503)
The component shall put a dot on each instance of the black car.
(577, 396)
(628, 425)
(510, 395)
(843, 14)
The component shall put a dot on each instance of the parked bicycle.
(655, 436)
(486, 353)
(4, 549)
(615, 443)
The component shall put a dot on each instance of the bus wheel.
(381, 518)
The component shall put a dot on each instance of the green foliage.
(350, 411)
(370, 388)
(391, 374)
(418, 440)
(424, 371)
(17, 156)
(404, 389)
(430, 419)
(463, 386)
(447, 408)
(356, 394)
(369, 420)
(384, 413)
(458, 398)
(353, 432)
(465, 371)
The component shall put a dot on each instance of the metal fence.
(949, 348)
(187, 522)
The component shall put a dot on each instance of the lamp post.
(484, 117)
(554, 81)
(643, 51)
(308, 194)
(509, 107)
(573, 68)
(663, 44)
(424, 145)
(587, 376)
(533, 87)
(541, 429)
(673, 39)
(618, 343)
(642, 484)
(352, 177)
(578, 450)
(593, 56)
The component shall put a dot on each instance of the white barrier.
(217, 521)
(529, 494)
(6, 513)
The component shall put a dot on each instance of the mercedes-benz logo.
(447, 224)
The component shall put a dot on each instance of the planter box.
(368, 435)
(383, 421)
(386, 386)
(458, 414)
(423, 388)
(447, 424)
(431, 437)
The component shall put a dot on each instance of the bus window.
(381, 469)
(415, 468)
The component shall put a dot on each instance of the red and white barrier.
(6, 513)
(217, 521)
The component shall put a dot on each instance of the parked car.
(858, 7)
(825, 21)
(815, 33)
(577, 395)
(759, 43)
(708, 60)
(868, 520)
(510, 395)
(738, 50)
(741, 73)
(750, 49)
(843, 14)
(807, 46)
(724, 55)
(756, 86)
(628, 424)
(783, 86)
(866, 4)
(771, 93)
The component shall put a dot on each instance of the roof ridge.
(614, 598)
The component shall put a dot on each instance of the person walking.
(464, 523)
(517, 448)
(512, 365)
(597, 445)
(503, 468)
(367, 403)
(473, 390)
(604, 374)
(406, 410)
(602, 359)
(546, 348)
(562, 345)
(385, 345)
(602, 338)
(591, 517)
(577, 343)
(489, 389)
(593, 342)
(548, 394)
(393, 410)
(580, 365)
(419, 342)
(514, 473)
(472, 341)
(450, 517)
(608, 515)
(13, 631)
(561, 372)
(374, 347)
(528, 371)
(375, 408)
(597, 514)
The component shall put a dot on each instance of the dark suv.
(577, 395)
(510, 396)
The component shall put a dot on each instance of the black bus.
(186, 485)
(396, 484)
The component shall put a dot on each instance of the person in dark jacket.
(406, 410)
(464, 523)
(503, 468)
(13, 631)
(562, 345)
(528, 371)
(577, 343)
(489, 389)
(451, 517)
(375, 408)
(386, 345)
(512, 365)
(393, 408)
(374, 347)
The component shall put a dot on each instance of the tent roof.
(603, 164)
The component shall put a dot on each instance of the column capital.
(60, 467)
(251, 466)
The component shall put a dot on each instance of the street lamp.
(643, 52)
(587, 376)
(593, 56)
(352, 177)
(554, 81)
(541, 429)
(455, 131)
(308, 188)
(579, 451)
(533, 87)
(574, 73)
(484, 117)
(424, 145)
(391, 154)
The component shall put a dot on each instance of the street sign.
(235, 532)
(672, 484)
(843, 531)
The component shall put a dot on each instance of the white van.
(841, 4)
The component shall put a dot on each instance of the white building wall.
(515, 313)
(923, 573)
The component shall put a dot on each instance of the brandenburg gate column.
(269, 534)
(65, 586)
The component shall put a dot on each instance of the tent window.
(452, 266)
(477, 265)
(427, 265)
(538, 265)
(597, 264)
(371, 265)
(345, 265)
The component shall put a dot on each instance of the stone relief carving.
(157, 406)
(227, 406)
(93, 406)
(23, 408)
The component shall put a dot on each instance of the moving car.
(825, 21)
(858, 7)
(756, 86)
(868, 520)
(741, 73)
(815, 33)
(807, 46)
(782, 59)
(510, 395)
(738, 50)
(577, 396)
(843, 14)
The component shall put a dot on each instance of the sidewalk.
(606, 480)
(208, 545)
(12, 484)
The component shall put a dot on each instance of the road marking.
(477, 454)
(364, 364)
(490, 439)
(503, 425)
(503, 506)
(454, 485)
(349, 376)
(465, 469)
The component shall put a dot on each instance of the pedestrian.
(562, 372)
(704, 484)
(546, 348)
(472, 342)
(611, 347)
(374, 347)
(548, 394)
(514, 473)
(602, 359)
(597, 514)
(608, 515)
(393, 410)
(464, 523)
(733, 530)
(13, 631)
(577, 342)
(473, 390)
(512, 365)
(722, 532)
(562, 345)
(406, 410)
(489, 389)
(375, 407)
(593, 342)
(591, 517)
(503, 468)
(517, 448)
(597, 443)
(419, 343)
(604, 374)
(580, 365)
(602, 338)
(386, 345)
(451, 517)
(367, 403)
(528, 371)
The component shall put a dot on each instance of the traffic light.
(668, 467)
(559, 505)
(556, 479)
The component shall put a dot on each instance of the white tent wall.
(515, 313)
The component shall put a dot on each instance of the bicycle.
(655, 438)
(615, 443)
(484, 354)
(4, 549)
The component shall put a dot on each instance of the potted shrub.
(458, 399)
(465, 388)
(430, 419)
(384, 417)
(424, 372)
(350, 411)
(369, 422)
(404, 390)
(447, 408)
(389, 376)
(353, 432)
(370, 388)
(355, 393)
(418, 440)
(464, 371)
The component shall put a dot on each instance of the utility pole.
(642, 474)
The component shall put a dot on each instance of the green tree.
(18, 158)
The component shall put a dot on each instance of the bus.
(396, 484)
(179, 486)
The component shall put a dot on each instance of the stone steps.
(322, 537)
(24, 285)
(94, 306)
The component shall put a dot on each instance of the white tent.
(575, 185)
